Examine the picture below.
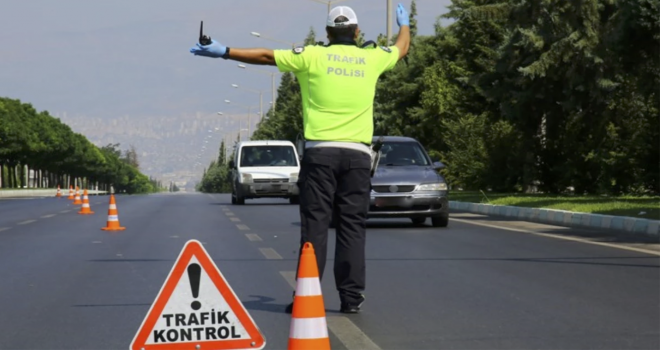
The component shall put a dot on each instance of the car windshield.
(264, 156)
(402, 154)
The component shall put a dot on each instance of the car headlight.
(440, 186)
(293, 177)
(246, 178)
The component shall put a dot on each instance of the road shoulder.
(623, 240)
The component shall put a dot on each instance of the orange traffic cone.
(71, 197)
(309, 329)
(59, 193)
(77, 201)
(113, 217)
(85, 210)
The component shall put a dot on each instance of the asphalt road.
(68, 285)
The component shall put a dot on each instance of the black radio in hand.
(203, 39)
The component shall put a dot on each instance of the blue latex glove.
(402, 17)
(215, 50)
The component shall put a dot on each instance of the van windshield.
(264, 156)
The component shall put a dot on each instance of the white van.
(265, 169)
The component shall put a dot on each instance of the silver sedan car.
(407, 184)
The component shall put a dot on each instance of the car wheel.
(418, 221)
(440, 221)
(240, 200)
(294, 200)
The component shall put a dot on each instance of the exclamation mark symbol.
(194, 274)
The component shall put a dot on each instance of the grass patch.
(647, 207)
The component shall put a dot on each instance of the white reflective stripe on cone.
(85, 205)
(308, 286)
(113, 206)
(308, 328)
(113, 217)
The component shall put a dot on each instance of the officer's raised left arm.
(403, 39)
(251, 56)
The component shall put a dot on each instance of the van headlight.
(440, 186)
(246, 178)
(293, 177)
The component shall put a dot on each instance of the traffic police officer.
(338, 84)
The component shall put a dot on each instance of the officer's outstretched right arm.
(295, 60)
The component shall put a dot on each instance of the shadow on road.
(264, 303)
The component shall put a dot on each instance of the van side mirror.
(438, 165)
(232, 165)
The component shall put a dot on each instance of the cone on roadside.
(309, 328)
(59, 192)
(86, 209)
(113, 217)
(71, 197)
(77, 201)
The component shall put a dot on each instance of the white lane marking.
(349, 334)
(48, 216)
(229, 213)
(97, 242)
(290, 277)
(26, 222)
(235, 219)
(346, 331)
(639, 250)
(253, 237)
(4, 228)
(270, 253)
(242, 227)
(65, 211)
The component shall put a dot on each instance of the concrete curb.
(634, 226)
(41, 193)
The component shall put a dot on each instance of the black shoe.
(351, 308)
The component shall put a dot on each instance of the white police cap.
(342, 11)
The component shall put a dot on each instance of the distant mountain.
(169, 147)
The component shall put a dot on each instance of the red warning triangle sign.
(196, 309)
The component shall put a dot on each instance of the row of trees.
(31, 140)
(217, 178)
(517, 95)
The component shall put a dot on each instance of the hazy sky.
(130, 57)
